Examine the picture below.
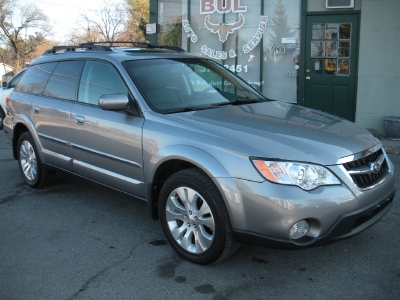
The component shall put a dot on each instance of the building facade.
(336, 56)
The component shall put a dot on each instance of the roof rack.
(55, 49)
(99, 46)
(91, 44)
(140, 44)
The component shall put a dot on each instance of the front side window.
(98, 79)
(35, 78)
(171, 85)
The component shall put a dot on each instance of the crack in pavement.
(94, 277)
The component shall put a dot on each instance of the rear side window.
(98, 79)
(63, 83)
(35, 78)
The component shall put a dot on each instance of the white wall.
(378, 92)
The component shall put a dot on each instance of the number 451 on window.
(237, 68)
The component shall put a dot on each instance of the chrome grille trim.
(359, 155)
(369, 170)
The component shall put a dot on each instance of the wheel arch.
(172, 159)
(22, 125)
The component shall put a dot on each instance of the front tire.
(30, 165)
(195, 219)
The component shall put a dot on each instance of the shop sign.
(288, 40)
(208, 7)
(277, 50)
(151, 28)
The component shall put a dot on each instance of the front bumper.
(346, 226)
(262, 213)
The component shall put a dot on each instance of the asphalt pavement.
(80, 240)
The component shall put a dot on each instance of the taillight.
(8, 98)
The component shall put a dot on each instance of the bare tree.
(87, 34)
(109, 24)
(16, 19)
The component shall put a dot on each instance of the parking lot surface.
(80, 240)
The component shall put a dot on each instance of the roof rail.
(99, 46)
(55, 49)
(140, 44)
(110, 43)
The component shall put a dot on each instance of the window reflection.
(318, 31)
(344, 31)
(331, 31)
(343, 67)
(330, 49)
(316, 49)
(344, 49)
(330, 66)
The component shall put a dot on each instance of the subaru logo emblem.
(375, 167)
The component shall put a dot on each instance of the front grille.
(366, 179)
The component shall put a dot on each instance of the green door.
(331, 57)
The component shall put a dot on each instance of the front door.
(331, 58)
(106, 145)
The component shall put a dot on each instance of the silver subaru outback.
(217, 162)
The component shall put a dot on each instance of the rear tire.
(32, 170)
(195, 219)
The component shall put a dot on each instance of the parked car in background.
(6, 89)
(215, 160)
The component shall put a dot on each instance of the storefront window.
(258, 40)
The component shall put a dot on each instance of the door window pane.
(343, 67)
(317, 66)
(330, 49)
(331, 31)
(316, 49)
(64, 80)
(344, 49)
(330, 66)
(318, 31)
(344, 31)
(99, 79)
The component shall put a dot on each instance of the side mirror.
(4, 84)
(114, 102)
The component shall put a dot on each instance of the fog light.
(299, 230)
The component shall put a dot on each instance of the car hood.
(284, 131)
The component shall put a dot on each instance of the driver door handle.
(80, 120)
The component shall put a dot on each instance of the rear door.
(52, 88)
(106, 145)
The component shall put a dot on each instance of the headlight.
(306, 176)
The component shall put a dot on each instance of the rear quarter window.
(35, 78)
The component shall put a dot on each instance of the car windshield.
(174, 85)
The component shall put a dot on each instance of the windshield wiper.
(186, 109)
(237, 102)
